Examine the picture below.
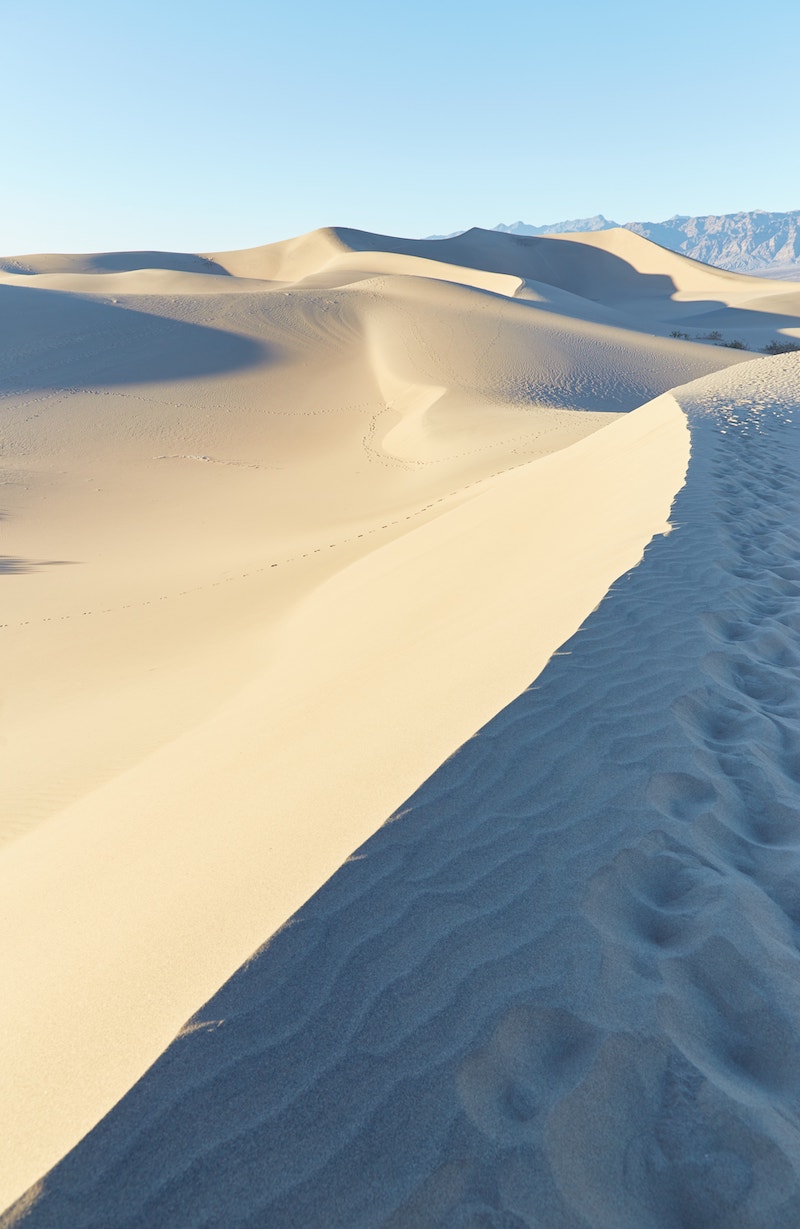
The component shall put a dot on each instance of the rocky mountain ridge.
(749, 242)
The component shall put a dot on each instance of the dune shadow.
(53, 340)
(15, 565)
(115, 262)
(709, 314)
(177, 262)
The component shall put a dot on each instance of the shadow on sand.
(14, 565)
(53, 340)
(114, 262)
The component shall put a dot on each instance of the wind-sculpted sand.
(348, 516)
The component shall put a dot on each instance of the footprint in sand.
(680, 795)
(730, 1029)
(683, 1156)
(665, 898)
(534, 1056)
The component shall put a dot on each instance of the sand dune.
(107, 262)
(281, 538)
(650, 286)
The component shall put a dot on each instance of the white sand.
(276, 548)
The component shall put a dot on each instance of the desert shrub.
(780, 347)
(735, 345)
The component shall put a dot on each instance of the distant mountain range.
(755, 242)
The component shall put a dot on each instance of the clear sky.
(205, 125)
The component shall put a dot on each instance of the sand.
(286, 528)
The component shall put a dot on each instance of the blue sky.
(207, 125)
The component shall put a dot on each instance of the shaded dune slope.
(560, 987)
(108, 262)
(59, 343)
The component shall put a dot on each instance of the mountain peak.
(743, 242)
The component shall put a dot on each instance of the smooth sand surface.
(284, 528)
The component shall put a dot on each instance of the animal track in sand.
(286, 560)
(215, 461)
